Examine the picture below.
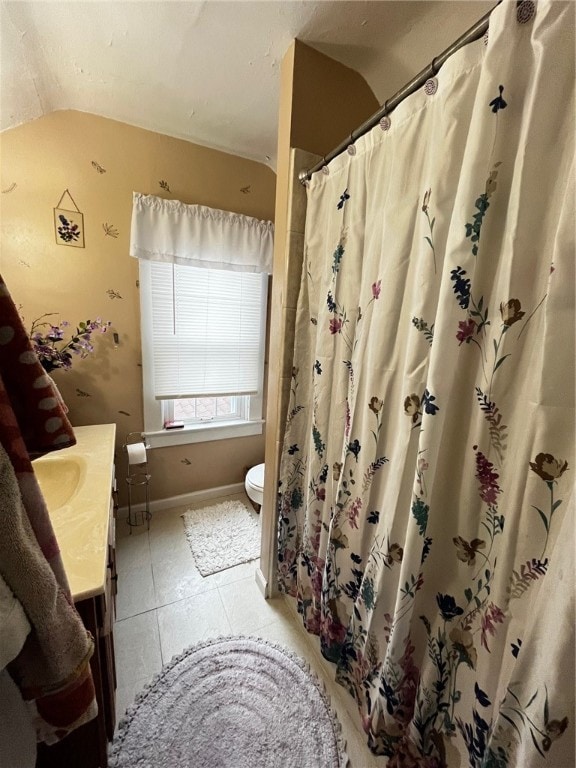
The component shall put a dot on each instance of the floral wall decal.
(97, 167)
(9, 189)
(112, 294)
(245, 190)
(81, 393)
(186, 461)
(124, 413)
(164, 185)
(110, 230)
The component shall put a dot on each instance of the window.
(203, 285)
(203, 337)
(195, 410)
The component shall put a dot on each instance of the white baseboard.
(261, 583)
(194, 497)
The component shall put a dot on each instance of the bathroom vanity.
(78, 484)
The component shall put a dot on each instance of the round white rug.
(232, 702)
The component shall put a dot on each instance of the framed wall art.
(68, 222)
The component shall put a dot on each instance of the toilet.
(254, 485)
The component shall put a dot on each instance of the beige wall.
(329, 101)
(42, 159)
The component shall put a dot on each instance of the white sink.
(59, 477)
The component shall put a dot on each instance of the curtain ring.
(431, 86)
(385, 123)
(525, 10)
(351, 149)
(325, 169)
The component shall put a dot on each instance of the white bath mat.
(222, 536)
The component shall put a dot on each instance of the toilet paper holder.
(137, 475)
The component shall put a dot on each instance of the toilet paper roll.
(136, 453)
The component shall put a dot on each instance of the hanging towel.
(52, 670)
(14, 626)
(17, 736)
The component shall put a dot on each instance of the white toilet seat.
(254, 484)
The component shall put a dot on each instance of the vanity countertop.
(77, 483)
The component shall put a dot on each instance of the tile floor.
(164, 605)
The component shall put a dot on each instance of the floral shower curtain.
(426, 509)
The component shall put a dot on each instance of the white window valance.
(173, 232)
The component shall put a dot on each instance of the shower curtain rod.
(476, 31)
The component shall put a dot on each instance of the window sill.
(203, 433)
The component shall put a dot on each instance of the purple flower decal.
(494, 615)
(335, 325)
(376, 288)
(353, 512)
(466, 330)
(488, 479)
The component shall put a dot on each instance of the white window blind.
(208, 331)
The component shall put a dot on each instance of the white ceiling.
(205, 71)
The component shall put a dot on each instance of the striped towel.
(52, 670)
